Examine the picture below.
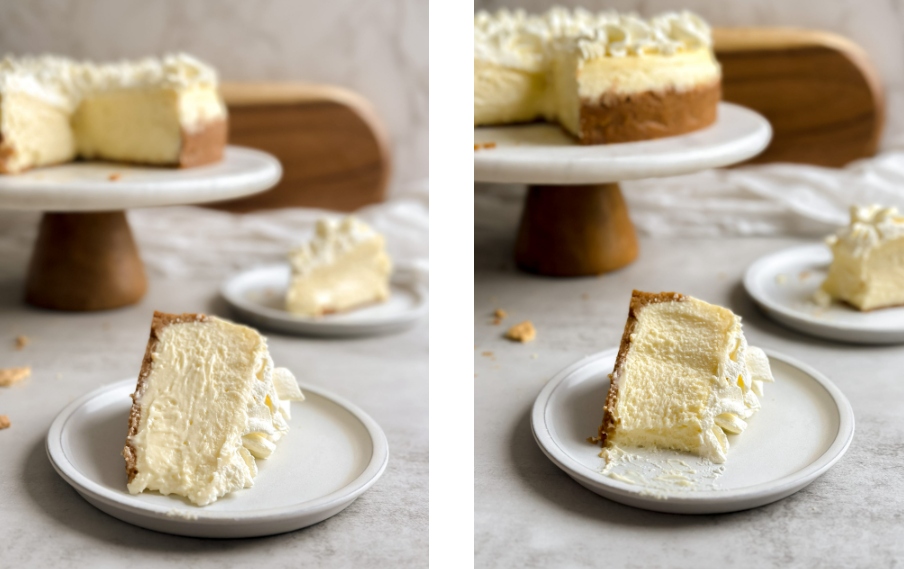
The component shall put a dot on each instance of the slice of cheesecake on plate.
(683, 378)
(867, 269)
(343, 267)
(207, 403)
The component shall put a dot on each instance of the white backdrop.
(772, 199)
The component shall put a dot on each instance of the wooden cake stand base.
(574, 231)
(85, 261)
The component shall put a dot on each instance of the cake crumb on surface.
(13, 375)
(500, 313)
(4, 422)
(524, 332)
(115, 176)
(487, 354)
(484, 145)
(21, 341)
(534, 356)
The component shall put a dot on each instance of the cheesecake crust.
(204, 145)
(639, 300)
(647, 115)
(160, 321)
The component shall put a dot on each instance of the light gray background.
(376, 48)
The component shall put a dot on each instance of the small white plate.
(332, 454)
(806, 424)
(783, 283)
(258, 296)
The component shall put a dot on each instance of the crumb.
(4, 422)
(585, 296)
(500, 313)
(496, 322)
(781, 279)
(497, 367)
(22, 341)
(115, 176)
(524, 332)
(13, 375)
(822, 298)
(804, 275)
(534, 356)
(487, 354)
(594, 440)
(485, 145)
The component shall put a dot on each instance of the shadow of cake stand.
(575, 222)
(85, 257)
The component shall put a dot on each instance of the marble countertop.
(528, 513)
(44, 522)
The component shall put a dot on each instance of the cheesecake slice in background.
(867, 269)
(343, 267)
(207, 403)
(684, 377)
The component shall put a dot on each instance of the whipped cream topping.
(524, 41)
(870, 226)
(65, 82)
(332, 239)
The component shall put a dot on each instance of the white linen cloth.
(194, 242)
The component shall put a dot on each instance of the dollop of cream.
(870, 226)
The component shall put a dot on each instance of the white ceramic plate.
(257, 295)
(104, 186)
(545, 154)
(783, 283)
(804, 427)
(332, 454)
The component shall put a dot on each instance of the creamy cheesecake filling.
(688, 378)
(867, 269)
(53, 109)
(345, 265)
(555, 66)
(211, 403)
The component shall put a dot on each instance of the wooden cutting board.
(819, 90)
(334, 149)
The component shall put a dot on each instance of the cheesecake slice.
(207, 403)
(684, 377)
(867, 269)
(162, 112)
(604, 78)
(343, 267)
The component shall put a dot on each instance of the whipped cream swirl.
(870, 226)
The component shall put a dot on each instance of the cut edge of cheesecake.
(159, 322)
(639, 300)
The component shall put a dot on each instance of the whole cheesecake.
(163, 112)
(604, 77)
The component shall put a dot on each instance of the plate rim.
(752, 143)
(402, 275)
(800, 478)
(82, 484)
(760, 298)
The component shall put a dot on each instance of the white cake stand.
(85, 257)
(575, 222)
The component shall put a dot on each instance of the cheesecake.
(604, 78)
(155, 111)
(684, 377)
(207, 404)
(867, 269)
(343, 267)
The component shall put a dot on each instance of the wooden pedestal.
(85, 261)
(573, 231)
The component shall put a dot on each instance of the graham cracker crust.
(160, 321)
(648, 115)
(639, 300)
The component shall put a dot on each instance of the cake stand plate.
(258, 297)
(805, 426)
(333, 453)
(575, 221)
(85, 257)
(782, 285)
